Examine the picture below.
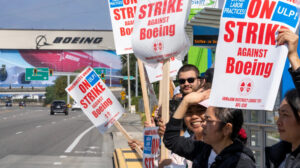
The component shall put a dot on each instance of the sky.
(55, 14)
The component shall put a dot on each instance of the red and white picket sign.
(151, 147)
(159, 32)
(122, 18)
(249, 64)
(96, 100)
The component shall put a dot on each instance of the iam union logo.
(158, 46)
(245, 87)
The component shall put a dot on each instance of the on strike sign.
(151, 147)
(96, 100)
(159, 32)
(249, 65)
(122, 19)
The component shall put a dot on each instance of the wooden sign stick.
(165, 102)
(160, 93)
(144, 91)
(128, 137)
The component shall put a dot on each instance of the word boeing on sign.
(96, 100)
(122, 19)
(158, 32)
(247, 53)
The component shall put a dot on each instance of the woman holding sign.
(286, 154)
(220, 130)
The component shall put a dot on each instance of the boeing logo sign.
(78, 40)
(41, 40)
(57, 39)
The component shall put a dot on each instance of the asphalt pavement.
(31, 137)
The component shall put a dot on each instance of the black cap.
(209, 74)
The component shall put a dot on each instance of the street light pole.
(129, 92)
(68, 81)
(136, 80)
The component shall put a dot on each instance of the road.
(32, 138)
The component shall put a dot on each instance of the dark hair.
(197, 107)
(293, 99)
(233, 116)
(209, 75)
(188, 67)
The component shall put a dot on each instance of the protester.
(193, 119)
(188, 79)
(286, 154)
(220, 129)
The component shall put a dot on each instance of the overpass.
(22, 91)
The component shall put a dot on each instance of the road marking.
(38, 126)
(57, 163)
(94, 147)
(19, 132)
(63, 156)
(76, 141)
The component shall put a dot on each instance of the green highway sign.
(101, 72)
(126, 78)
(36, 74)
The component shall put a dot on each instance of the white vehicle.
(76, 106)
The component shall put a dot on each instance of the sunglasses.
(190, 80)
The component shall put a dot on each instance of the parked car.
(75, 106)
(8, 103)
(22, 104)
(59, 106)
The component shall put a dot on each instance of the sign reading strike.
(122, 19)
(155, 74)
(249, 65)
(159, 32)
(97, 101)
(151, 147)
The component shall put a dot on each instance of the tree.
(132, 62)
(57, 91)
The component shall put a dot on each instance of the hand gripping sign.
(96, 100)
(249, 65)
(158, 32)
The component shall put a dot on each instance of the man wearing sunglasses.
(188, 79)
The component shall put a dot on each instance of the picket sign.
(155, 73)
(151, 147)
(97, 102)
(165, 102)
(144, 90)
(128, 137)
(249, 63)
